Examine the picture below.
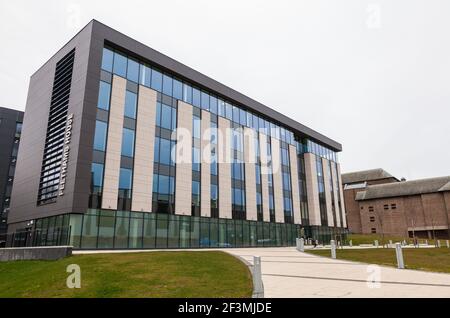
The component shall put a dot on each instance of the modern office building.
(124, 147)
(10, 131)
(377, 202)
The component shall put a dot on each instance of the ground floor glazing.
(105, 229)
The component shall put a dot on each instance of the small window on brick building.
(373, 230)
(386, 206)
(372, 219)
(370, 208)
(393, 206)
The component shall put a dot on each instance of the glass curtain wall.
(104, 229)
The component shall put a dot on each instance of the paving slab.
(289, 273)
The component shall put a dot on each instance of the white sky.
(372, 75)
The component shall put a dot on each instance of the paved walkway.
(289, 273)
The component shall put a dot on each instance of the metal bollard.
(258, 287)
(426, 242)
(350, 243)
(375, 243)
(438, 243)
(399, 254)
(333, 249)
(300, 245)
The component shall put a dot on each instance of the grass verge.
(153, 274)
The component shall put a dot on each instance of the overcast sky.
(372, 75)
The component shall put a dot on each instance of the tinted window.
(214, 167)
(166, 112)
(237, 197)
(174, 118)
(125, 179)
(262, 126)
(195, 97)
(249, 120)
(97, 174)
(127, 142)
(120, 65)
(158, 114)
(195, 187)
(107, 60)
(229, 111)
(104, 95)
(213, 105)
(236, 114)
(165, 152)
(156, 80)
(213, 192)
(205, 101)
(163, 184)
(287, 204)
(133, 70)
(258, 174)
(284, 157)
(221, 108)
(167, 85)
(130, 104)
(286, 182)
(156, 150)
(177, 89)
(187, 93)
(196, 128)
(196, 159)
(146, 73)
(100, 135)
(255, 122)
(243, 117)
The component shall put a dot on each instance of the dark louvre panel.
(54, 141)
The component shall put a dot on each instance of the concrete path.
(289, 273)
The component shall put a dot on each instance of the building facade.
(353, 182)
(380, 203)
(10, 131)
(124, 147)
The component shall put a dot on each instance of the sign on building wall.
(65, 155)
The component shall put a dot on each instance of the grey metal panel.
(82, 103)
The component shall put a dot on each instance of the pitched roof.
(445, 187)
(365, 175)
(404, 188)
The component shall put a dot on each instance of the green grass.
(427, 259)
(152, 274)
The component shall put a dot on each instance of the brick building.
(377, 202)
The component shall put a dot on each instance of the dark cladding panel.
(54, 142)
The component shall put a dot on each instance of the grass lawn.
(152, 274)
(427, 259)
